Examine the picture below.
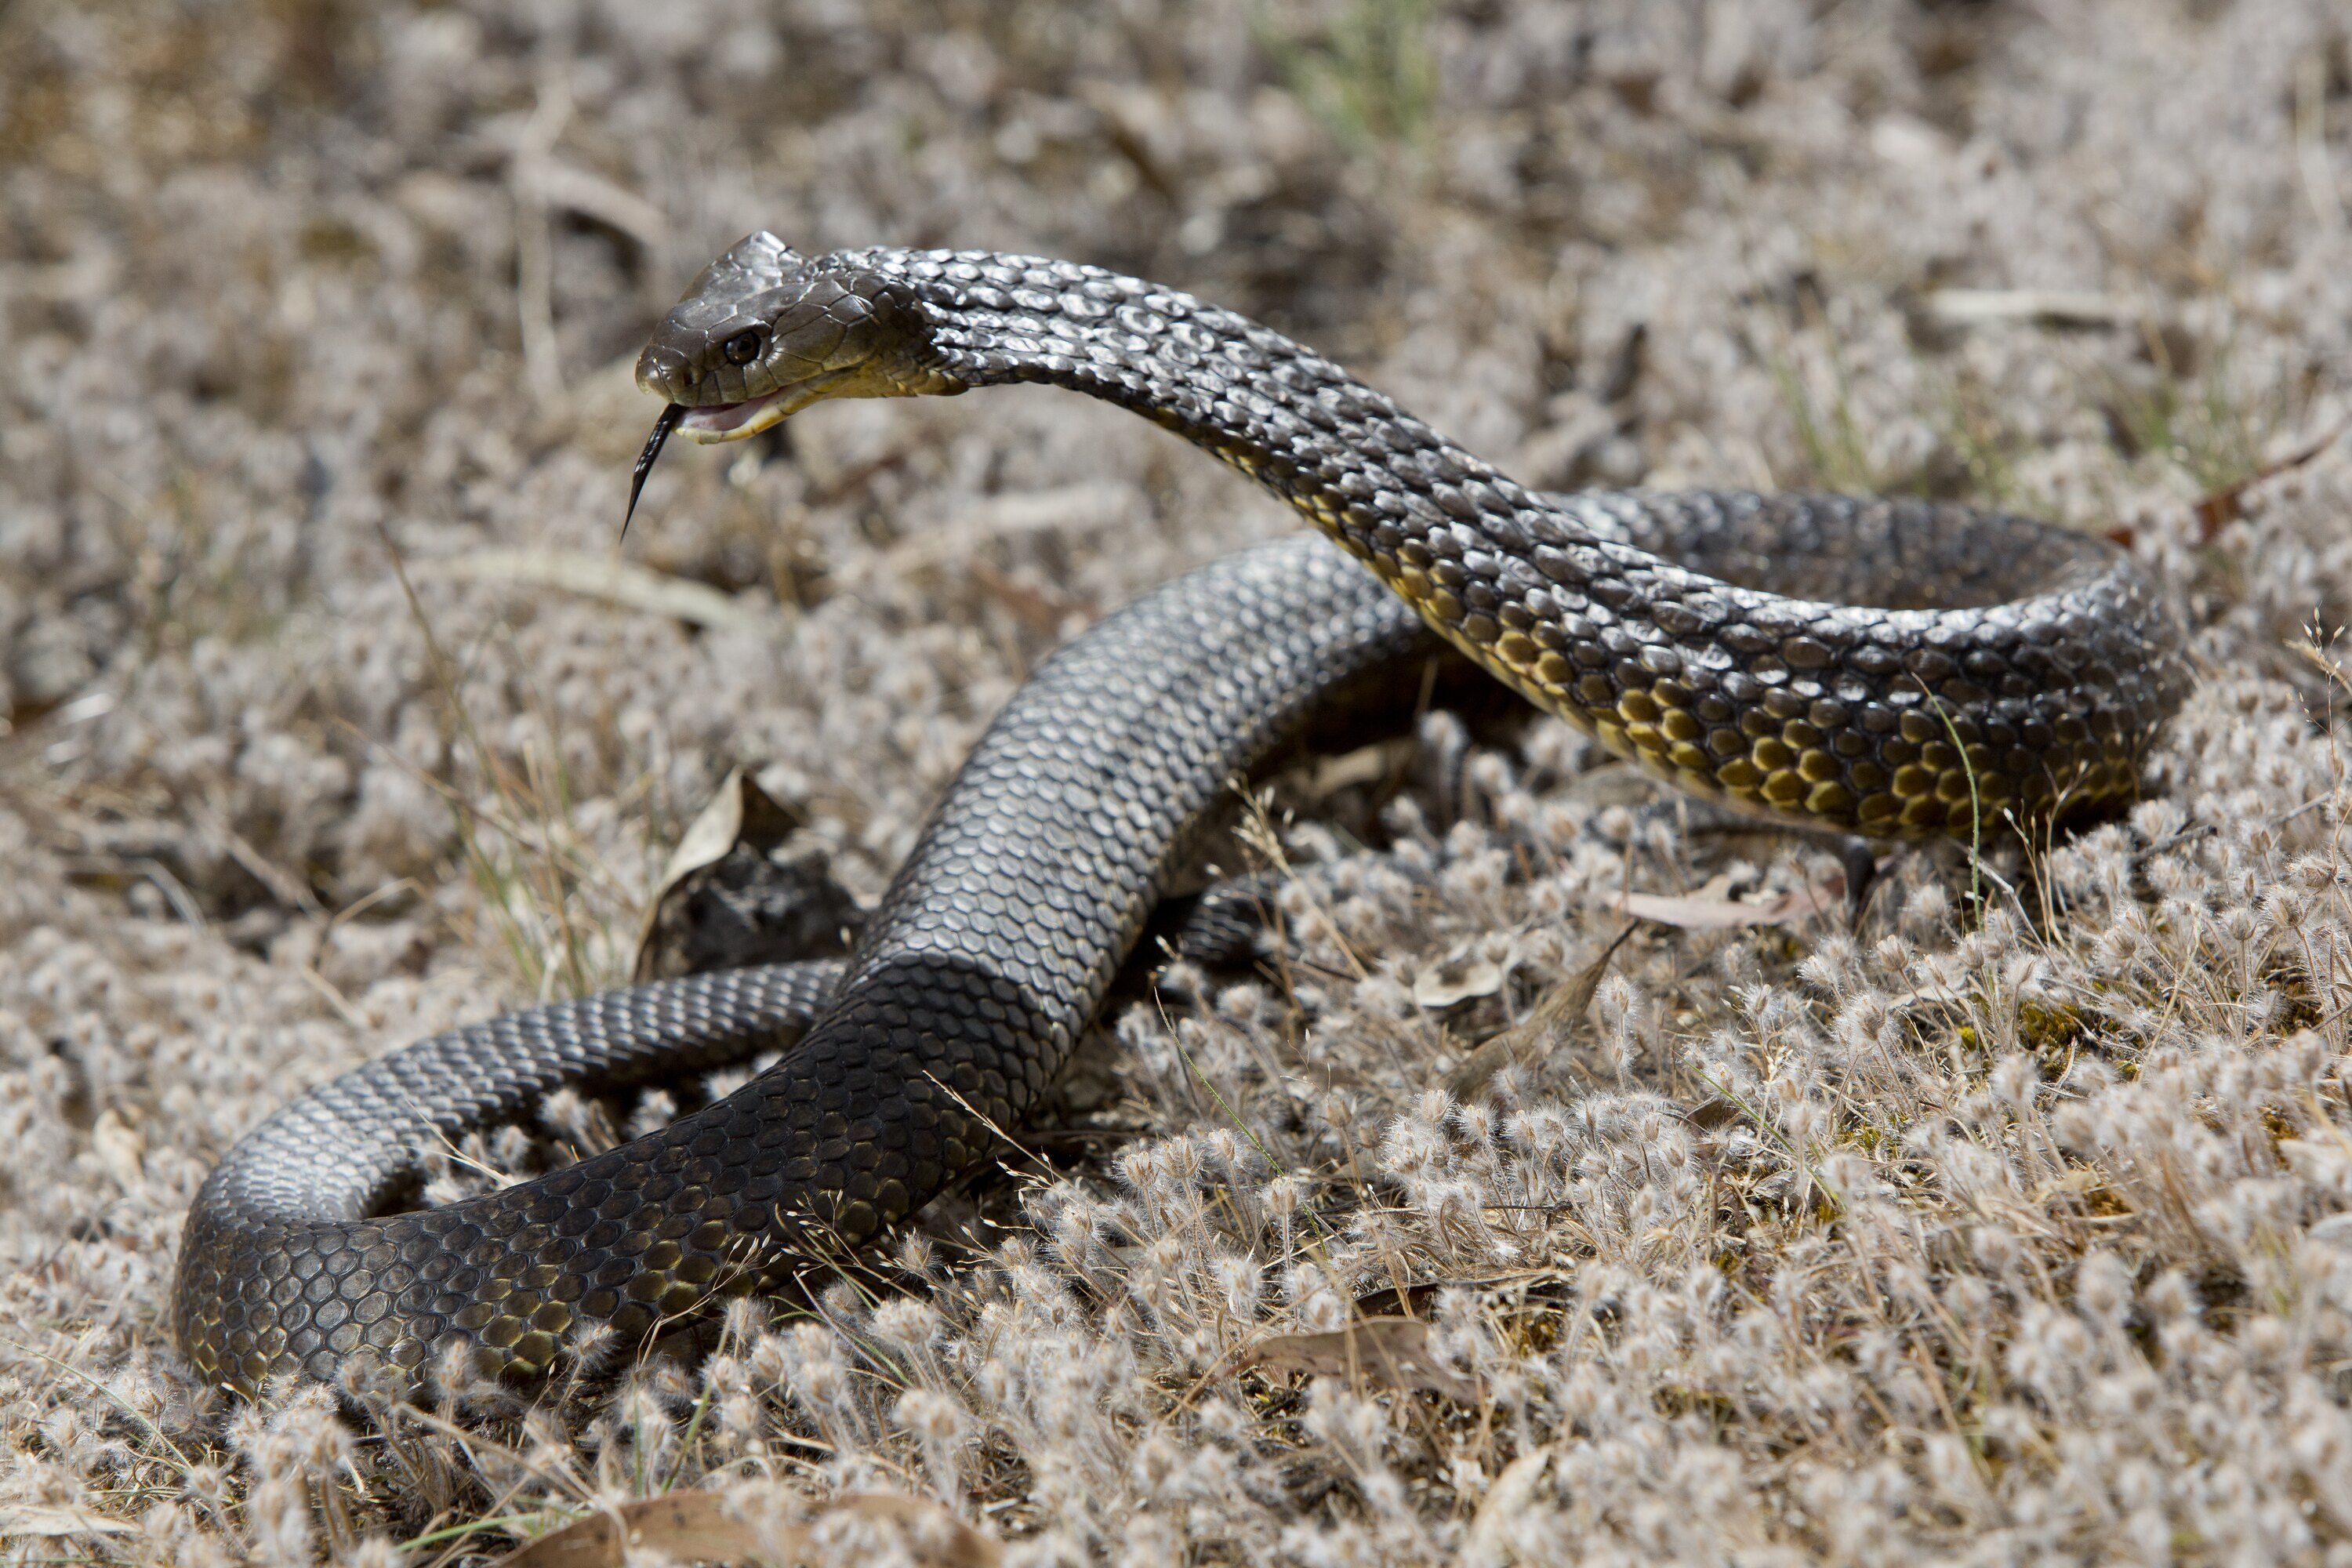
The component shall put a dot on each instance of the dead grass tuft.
(2010, 1223)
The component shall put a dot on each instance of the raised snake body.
(1883, 666)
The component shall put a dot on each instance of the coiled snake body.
(1887, 668)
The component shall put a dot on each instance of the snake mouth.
(733, 421)
(710, 422)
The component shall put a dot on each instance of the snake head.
(765, 333)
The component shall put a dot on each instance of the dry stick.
(175, 892)
(316, 978)
(281, 884)
(450, 1147)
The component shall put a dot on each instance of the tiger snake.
(1884, 667)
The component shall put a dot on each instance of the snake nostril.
(662, 371)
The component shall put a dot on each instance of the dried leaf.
(1712, 1112)
(1554, 1014)
(1709, 910)
(686, 1524)
(1456, 981)
(741, 814)
(696, 1526)
(1393, 1350)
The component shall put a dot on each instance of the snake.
(1887, 668)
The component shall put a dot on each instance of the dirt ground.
(2014, 1224)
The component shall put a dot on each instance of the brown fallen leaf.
(687, 1524)
(1712, 1112)
(739, 812)
(1540, 1031)
(1710, 910)
(930, 1536)
(727, 899)
(696, 1526)
(1393, 1350)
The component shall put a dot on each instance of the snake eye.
(742, 348)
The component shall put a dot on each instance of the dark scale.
(1893, 668)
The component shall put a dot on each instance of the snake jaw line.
(714, 422)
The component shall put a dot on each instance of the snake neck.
(2034, 697)
(1381, 483)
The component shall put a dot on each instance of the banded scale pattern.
(968, 987)
(1885, 666)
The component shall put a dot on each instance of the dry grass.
(2010, 1225)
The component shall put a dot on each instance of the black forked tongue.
(668, 421)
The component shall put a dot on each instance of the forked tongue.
(667, 422)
